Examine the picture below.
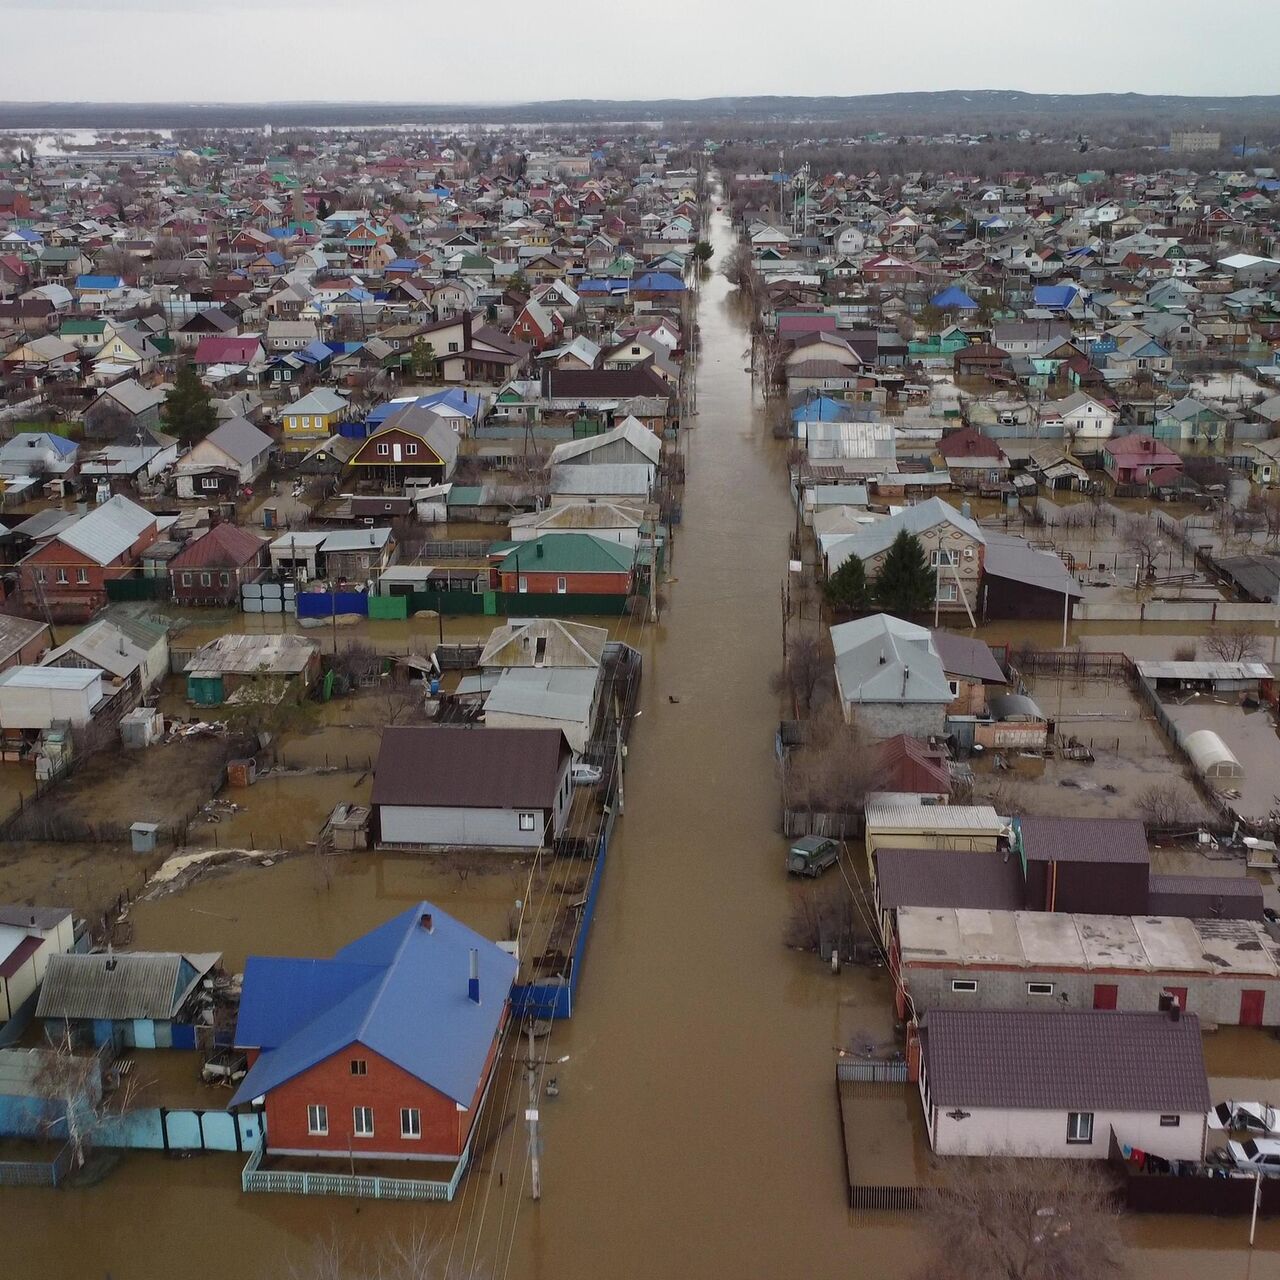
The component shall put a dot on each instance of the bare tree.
(410, 1257)
(1142, 536)
(835, 767)
(1232, 644)
(739, 267)
(1020, 1219)
(1166, 804)
(806, 663)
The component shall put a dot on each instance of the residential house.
(1191, 424)
(414, 443)
(540, 696)
(1058, 1084)
(1022, 581)
(124, 411)
(313, 418)
(212, 567)
(568, 563)
(386, 1051)
(69, 571)
(973, 459)
(440, 786)
(233, 454)
(22, 641)
(953, 543)
(1264, 461)
(889, 677)
(612, 521)
(130, 999)
(971, 668)
(40, 455)
(103, 647)
(544, 642)
(1142, 460)
(1083, 417)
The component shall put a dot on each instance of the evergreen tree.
(905, 584)
(188, 412)
(846, 589)
(702, 251)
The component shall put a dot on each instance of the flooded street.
(696, 1132)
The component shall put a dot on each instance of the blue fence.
(323, 604)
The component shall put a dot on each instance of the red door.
(1251, 1006)
(1104, 995)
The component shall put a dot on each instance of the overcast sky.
(515, 50)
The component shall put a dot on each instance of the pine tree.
(188, 412)
(905, 583)
(847, 590)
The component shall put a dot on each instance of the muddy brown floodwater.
(695, 1134)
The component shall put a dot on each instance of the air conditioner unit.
(968, 553)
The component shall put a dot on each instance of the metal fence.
(361, 1186)
(36, 1173)
(871, 1072)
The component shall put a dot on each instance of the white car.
(1254, 1117)
(585, 775)
(1261, 1154)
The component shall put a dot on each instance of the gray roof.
(1083, 839)
(277, 655)
(1013, 559)
(15, 632)
(1257, 576)
(551, 693)
(1065, 1060)
(630, 478)
(109, 531)
(139, 984)
(884, 659)
(132, 396)
(33, 917)
(916, 519)
(238, 438)
(966, 657)
(105, 645)
(1012, 706)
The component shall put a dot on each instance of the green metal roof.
(83, 326)
(569, 553)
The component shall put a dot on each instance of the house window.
(1079, 1126)
(208, 482)
(383, 449)
(359, 1067)
(293, 424)
(528, 821)
(206, 579)
(317, 1119)
(954, 686)
(947, 591)
(362, 1121)
(62, 577)
(82, 577)
(1039, 988)
(410, 450)
(522, 584)
(40, 576)
(453, 346)
(1170, 1121)
(224, 579)
(562, 585)
(943, 558)
(964, 984)
(186, 579)
(410, 1122)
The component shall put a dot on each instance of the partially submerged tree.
(808, 660)
(847, 590)
(1007, 1218)
(702, 252)
(1143, 536)
(835, 767)
(1166, 804)
(1232, 644)
(905, 583)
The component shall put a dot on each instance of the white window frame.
(943, 557)
(317, 1119)
(82, 577)
(359, 1066)
(384, 449)
(948, 593)
(62, 578)
(1080, 1128)
(522, 584)
(964, 986)
(1170, 1120)
(528, 821)
(1039, 988)
(208, 482)
(410, 1123)
(359, 1117)
(206, 579)
(410, 449)
(562, 586)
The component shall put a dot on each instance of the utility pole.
(531, 1115)
(653, 569)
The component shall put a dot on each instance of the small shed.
(1212, 758)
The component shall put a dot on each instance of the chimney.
(883, 659)
(473, 982)
(426, 921)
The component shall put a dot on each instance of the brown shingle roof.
(943, 878)
(224, 546)
(1085, 1060)
(469, 768)
(1084, 840)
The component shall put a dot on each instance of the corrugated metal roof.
(49, 677)
(934, 817)
(109, 531)
(1204, 670)
(1065, 1060)
(122, 984)
(400, 991)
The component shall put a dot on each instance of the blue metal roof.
(457, 398)
(1057, 296)
(953, 299)
(98, 282)
(400, 991)
(402, 264)
(315, 352)
(821, 409)
(658, 280)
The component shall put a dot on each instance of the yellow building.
(314, 417)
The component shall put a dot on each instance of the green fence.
(507, 603)
(123, 589)
(389, 608)
(449, 603)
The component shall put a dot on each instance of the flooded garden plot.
(1102, 715)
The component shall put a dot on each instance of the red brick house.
(69, 571)
(568, 564)
(385, 1051)
(1140, 459)
(211, 568)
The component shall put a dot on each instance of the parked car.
(1256, 1117)
(812, 855)
(1261, 1154)
(585, 775)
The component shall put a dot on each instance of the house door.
(1104, 995)
(1251, 1007)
